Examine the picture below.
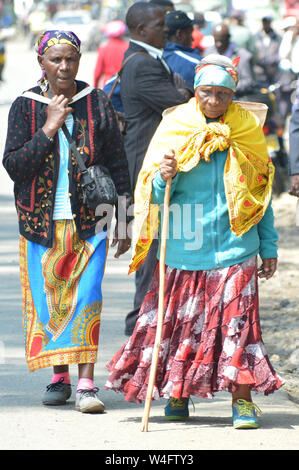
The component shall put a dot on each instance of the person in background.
(36, 20)
(63, 243)
(240, 34)
(115, 98)
(166, 5)
(289, 66)
(2, 56)
(110, 55)
(178, 52)
(294, 147)
(197, 35)
(289, 47)
(224, 46)
(267, 43)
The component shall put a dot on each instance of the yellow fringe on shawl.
(248, 173)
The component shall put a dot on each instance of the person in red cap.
(110, 55)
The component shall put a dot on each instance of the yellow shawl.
(248, 172)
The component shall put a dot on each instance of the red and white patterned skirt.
(211, 338)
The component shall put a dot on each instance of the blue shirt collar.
(172, 46)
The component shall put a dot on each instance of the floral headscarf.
(50, 38)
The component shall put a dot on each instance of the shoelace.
(245, 407)
(55, 386)
(179, 403)
(88, 392)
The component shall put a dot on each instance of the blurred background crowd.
(267, 29)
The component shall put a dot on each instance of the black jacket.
(147, 89)
(32, 161)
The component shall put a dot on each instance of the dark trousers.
(142, 280)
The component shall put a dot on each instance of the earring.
(43, 82)
(44, 85)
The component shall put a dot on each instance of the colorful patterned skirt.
(211, 339)
(62, 297)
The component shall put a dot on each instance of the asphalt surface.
(28, 425)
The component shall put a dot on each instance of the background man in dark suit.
(147, 88)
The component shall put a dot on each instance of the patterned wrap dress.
(61, 285)
(62, 249)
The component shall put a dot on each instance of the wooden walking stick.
(155, 356)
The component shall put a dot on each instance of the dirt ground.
(279, 298)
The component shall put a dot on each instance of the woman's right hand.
(57, 112)
(168, 166)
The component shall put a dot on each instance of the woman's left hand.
(268, 268)
(123, 240)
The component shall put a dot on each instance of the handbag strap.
(73, 148)
(118, 75)
(46, 100)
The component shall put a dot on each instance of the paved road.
(26, 424)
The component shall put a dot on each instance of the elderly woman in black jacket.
(63, 243)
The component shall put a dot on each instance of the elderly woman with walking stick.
(220, 221)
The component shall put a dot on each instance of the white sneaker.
(88, 402)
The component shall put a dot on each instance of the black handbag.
(96, 182)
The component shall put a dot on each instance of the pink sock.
(85, 384)
(63, 375)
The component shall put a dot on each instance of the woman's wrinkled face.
(61, 63)
(213, 100)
